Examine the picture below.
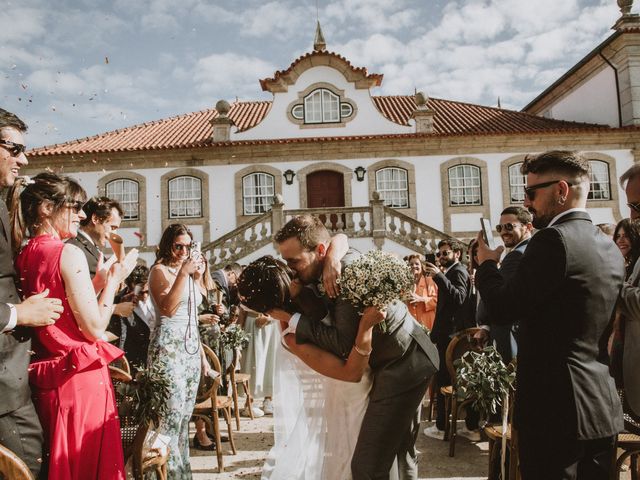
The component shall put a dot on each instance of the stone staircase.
(375, 221)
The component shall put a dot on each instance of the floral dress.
(175, 342)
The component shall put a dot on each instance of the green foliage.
(484, 377)
(146, 397)
(233, 337)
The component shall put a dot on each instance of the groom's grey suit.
(402, 362)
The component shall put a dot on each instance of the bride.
(322, 398)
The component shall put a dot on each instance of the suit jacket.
(566, 288)
(89, 249)
(451, 310)
(14, 349)
(630, 308)
(502, 330)
(402, 357)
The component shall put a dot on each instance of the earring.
(561, 200)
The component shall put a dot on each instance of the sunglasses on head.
(507, 227)
(180, 247)
(15, 148)
(530, 192)
(444, 253)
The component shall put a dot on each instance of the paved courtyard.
(255, 438)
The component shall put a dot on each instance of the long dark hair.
(164, 252)
(25, 197)
(264, 285)
(632, 231)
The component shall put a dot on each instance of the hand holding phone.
(487, 234)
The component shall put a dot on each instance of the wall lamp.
(288, 176)
(360, 171)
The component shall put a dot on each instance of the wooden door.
(325, 189)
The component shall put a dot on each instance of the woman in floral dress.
(175, 340)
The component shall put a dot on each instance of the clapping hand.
(415, 298)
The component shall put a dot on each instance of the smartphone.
(485, 223)
(195, 247)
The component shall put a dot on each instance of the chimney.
(222, 123)
(423, 114)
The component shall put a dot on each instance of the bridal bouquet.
(376, 279)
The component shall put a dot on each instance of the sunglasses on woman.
(75, 205)
(180, 247)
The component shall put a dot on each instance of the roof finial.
(625, 6)
(319, 44)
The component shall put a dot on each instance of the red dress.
(69, 377)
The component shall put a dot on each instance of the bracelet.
(364, 353)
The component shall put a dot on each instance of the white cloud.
(21, 25)
(228, 75)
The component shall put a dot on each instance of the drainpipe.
(617, 87)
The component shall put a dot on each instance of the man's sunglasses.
(634, 206)
(530, 192)
(507, 227)
(180, 247)
(15, 148)
(444, 253)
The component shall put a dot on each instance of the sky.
(75, 68)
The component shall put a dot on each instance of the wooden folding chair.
(209, 404)
(460, 344)
(239, 379)
(12, 467)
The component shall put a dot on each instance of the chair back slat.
(461, 343)
(208, 386)
(12, 467)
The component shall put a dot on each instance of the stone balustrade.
(374, 221)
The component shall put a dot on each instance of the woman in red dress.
(70, 381)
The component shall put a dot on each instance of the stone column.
(277, 214)
(423, 114)
(378, 227)
(222, 123)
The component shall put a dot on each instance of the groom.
(402, 361)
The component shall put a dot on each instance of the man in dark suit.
(453, 291)
(567, 412)
(515, 229)
(19, 425)
(104, 217)
(630, 303)
(402, 359)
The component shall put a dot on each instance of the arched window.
(464, 185)
(185, 197)
(125, 191)
(599, 187)
(322, 106)
(517, 182)
(393, 186)
(258, 190)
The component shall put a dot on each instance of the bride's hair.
(264, 285)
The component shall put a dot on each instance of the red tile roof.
(195, 130)
(283, 78)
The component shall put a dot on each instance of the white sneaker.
(472, 435)
(267, 406)
(257, 413)
(433, 432)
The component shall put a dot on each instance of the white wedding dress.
(316, 422)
